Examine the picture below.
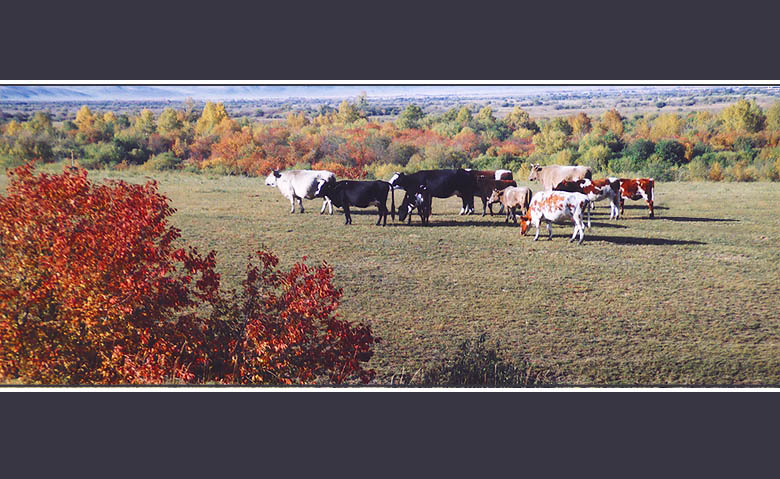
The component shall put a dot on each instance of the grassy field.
(690, 297)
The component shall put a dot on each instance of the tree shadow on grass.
(640, 241)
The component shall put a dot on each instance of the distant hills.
(250, 92)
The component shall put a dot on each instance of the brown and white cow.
(556, 207)
(636, 188)
(596, 190)
(551, 175)
(485, 187)
(512, 198)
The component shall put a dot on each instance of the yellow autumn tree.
(13, 128)
(744, 116)
(347, 113)
(85, 119)
(666, 125)
(612, 121)
(145, 123)
(296, 121)
(213, 114)
(169, 121)
(580, 124)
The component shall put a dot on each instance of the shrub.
(623, 166)
(100, 155)
(698, 170)
(716, 173)
(93, 290)
(640, 149)
(741, 171)
(478, 364)
(659, 169)
(382, 171)
(162, 162)
(670, 151)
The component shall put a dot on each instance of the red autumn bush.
(95, 290)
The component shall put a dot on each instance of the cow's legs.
(578, 226)
(549, 229)
(383, 214)
(292, 204)
(650, 205)
(326, 202)
(622, 202)
(484, 206)
(347, 216)
(614, 210)
(300, 202)
(536, 237)
(589, 207)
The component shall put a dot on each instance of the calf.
(556, 206)
(420, 199)
(511, 198)
(362, 194)
(485, 187)
(636, 188)
(596, 190)
(299, 184)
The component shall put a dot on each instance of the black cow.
(362, 194)
(420, 199)
(441, 184)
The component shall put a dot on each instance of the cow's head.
(525, 220)
(495, 197)
(534, 174)
(320, 183)
(396, 179)
(270, 180)
(407, 205)
(324, 188)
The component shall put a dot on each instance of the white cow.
(556, 207)
(298, 184)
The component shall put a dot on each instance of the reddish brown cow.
(636, 188)
(485, 187)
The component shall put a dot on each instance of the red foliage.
(341, 171)
(94, 291)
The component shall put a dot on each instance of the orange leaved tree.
(95, 289)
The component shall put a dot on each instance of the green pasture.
(690, 297)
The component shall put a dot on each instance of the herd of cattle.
(568, 192)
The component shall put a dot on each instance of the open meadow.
(689, 297)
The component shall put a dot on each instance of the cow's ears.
(277, 174)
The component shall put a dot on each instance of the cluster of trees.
(95, 288)
(740, 143)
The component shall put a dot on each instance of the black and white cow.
(441, 184)
(299, 184)
(419, 199)
(361, 194)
